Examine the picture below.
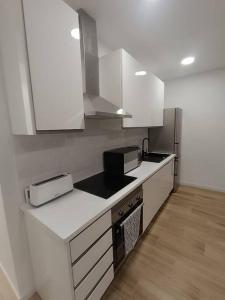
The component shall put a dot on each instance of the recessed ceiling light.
(140, 73)
(75, 33)
(188, 60)
(120, 111)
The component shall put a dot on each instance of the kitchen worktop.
(68, 215)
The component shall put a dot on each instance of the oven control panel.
(127, 204)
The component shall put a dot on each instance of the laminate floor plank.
(182, 256)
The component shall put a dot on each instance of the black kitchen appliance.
(120, 212)
(104, 184)
(122, 160)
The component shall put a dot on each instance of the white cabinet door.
(156, 190)
(141, 96)
(136, 98)
(110, 77)
(156, 94)
(15, 68)
(55, 64)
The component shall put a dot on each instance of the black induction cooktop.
(104, 184)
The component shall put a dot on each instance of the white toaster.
(42, 192)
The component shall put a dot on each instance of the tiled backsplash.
(80, 153)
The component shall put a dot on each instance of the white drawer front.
(94, 276)
(86, 238)
(102, 286)
(83, 266)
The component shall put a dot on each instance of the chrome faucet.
(143, 145)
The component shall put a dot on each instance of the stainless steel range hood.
(95, 106)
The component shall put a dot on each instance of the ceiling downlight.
(188, 60)
(140, 73)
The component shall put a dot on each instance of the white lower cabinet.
(77, 270)
(82, 268)
(88, 260)
(84, 240)
(90, 267)
(94, 276)
(102, 286)
(156, 190)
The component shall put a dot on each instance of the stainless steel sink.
(155, 157)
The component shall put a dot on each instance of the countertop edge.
(27, 209)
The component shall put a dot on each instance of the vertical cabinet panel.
(156, 190)
(55, 64)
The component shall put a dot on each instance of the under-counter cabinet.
(47, 72)
(142, 95)
(79, 269)
(156, 190)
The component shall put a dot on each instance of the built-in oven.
(120, 213)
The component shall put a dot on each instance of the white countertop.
(70, 214)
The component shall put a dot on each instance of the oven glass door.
(119, 244)
(119, 251)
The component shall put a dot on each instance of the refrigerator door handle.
(177, 149)
(178, 124)
(176, 163)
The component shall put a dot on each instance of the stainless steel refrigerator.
(167, 139)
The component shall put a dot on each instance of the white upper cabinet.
(42, 65)
(142, 96)
(52, 31)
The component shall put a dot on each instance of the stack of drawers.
(92, 259)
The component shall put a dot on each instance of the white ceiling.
(162, 32)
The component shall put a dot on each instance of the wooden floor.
(181, 257)
(6, 292)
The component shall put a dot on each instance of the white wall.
(15, 255)
(37, 158)
(27, 159)
(6, 259)
(202, 98)
(102, 49)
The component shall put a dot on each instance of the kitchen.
(136, 93)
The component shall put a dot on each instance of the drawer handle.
(93, 267)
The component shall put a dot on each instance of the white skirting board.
(19, 297)
(28, 296)
(204, 187)
(9, 280)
